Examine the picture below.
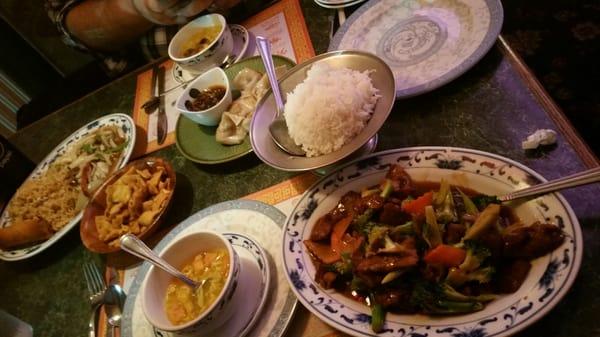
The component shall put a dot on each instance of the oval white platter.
(548, 281)
(124, 122)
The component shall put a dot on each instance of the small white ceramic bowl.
(212, 115)
(179, 252)
(213, 55)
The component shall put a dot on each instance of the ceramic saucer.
(251, 293)
(257, 225)
(240, 45)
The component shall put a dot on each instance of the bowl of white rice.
(334, 104)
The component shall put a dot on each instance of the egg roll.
(25, 232)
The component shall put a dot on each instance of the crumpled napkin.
(539, 137)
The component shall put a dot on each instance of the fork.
(96, 288)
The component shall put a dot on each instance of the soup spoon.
(114, 299)
(134, 246)
(278, 128)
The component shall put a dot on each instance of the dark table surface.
(492, 107)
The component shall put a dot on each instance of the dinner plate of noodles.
(51, 200)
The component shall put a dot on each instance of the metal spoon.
(278, 128)
(114, 300)
(134, 246)
(577, 179)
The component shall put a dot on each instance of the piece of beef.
(393, 215)
(401, 181)
(322, 228)
(395, 299)
(510, 275)
(454, 233)
(353, 203)
(371, 280)
(531, 241)
(386, 263)
(373, 201)
(492, 239)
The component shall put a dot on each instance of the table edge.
(566, 128)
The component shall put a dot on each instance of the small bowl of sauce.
(206, 98)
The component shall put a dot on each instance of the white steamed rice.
(329, 108)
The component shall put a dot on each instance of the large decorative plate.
(427, 43)
(121, 120)
(548, 281)
(197, 142)
(261, 222)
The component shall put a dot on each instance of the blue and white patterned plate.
(548, 281)
(124, 122)
(427, 43)
(249, 225)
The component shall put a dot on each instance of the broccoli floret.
(476, 254)
(377, 315)
(444, 204)
(457, 277)
(431, 229)
(386, 189)
(342, 267)
(452, 294)
(362, 224)
(433, 299)
(486, 219)
(482, 275)
(405, 229)
(482, 201)
(377, 236)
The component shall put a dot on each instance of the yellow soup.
(182, 304)
(200, 40)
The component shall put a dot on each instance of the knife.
(161, 123)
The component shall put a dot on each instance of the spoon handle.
(134, 246)
(264, 48)
(577, 179)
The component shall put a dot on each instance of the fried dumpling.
(263, 85)
(231, 130)
(246, 79)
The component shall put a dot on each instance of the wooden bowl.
(97, 205)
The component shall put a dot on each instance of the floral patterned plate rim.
(426, 43)
(548, 281)
(121, 120)
(254, 220)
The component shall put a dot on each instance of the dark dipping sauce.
(206, 98)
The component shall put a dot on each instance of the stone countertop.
(492, 108)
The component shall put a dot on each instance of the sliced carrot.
(322, 252)
(337, 234)
(445, 255)
(417, 206)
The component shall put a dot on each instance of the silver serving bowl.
(260, 138)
